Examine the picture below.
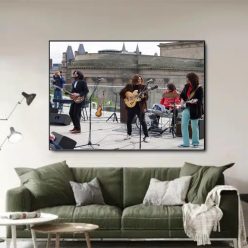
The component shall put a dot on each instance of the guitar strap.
(75, 84)
(193, 93)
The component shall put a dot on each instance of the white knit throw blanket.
(200, 220)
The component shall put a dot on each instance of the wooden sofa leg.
(235, 243)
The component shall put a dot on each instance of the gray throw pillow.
(87, 193)
(167, 192)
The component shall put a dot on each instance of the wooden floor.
(125, 244)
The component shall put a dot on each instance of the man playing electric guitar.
(79, 89)
(138, 108)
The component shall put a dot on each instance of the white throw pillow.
(167, 192)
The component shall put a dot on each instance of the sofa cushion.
(49, 185)
(107, 217)
(136, 182)
(142, 217)
(65, 213)
(167, 192)
(87, 193)
(204, 179)
(110, 180)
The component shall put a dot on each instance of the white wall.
(27, 26)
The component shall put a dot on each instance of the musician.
(79, 88)
(136, 86)
(58, 81)
(192, 95)
(170, 102)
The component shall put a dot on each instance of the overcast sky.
(58, 47)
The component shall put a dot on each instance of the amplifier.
(201, 129)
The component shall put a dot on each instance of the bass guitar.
(99, 108)
(131, 98)
(76, 99)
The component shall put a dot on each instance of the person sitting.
(170, 97)
(167, 104)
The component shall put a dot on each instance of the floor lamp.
(15, 136)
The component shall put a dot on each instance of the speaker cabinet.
(59, 119)
(62, 142)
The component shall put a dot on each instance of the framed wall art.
(127, 95)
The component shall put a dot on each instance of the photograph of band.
(127, 95)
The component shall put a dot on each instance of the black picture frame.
(96, 67)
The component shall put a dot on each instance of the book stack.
(20, 215)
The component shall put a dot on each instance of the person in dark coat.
(79, 89)
(192, 95)
(58, 82)
(136, 86)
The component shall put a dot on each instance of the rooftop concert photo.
(127, 95)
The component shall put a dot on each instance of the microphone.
(153, 87)
(149, 81)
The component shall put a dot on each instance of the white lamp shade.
(14, 136)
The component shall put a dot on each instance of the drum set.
(160, 119)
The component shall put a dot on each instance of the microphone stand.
(172, 124)
(145, 88)
(114, 114)
(140, 130)
(89, 139)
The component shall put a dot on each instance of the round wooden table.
(44, 217)
(61, 228)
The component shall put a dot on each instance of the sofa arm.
(229, 205)
(18, 199)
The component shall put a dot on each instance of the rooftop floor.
(109, 135)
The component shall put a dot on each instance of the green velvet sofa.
(124, 216)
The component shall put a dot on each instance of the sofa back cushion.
(49, 185)
(110, 180)
(204, 179)
(136, 182)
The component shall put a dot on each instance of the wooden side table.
(60, 228)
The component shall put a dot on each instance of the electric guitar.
(99, 108)
(76, 99)
(131, 98)
(192, 101)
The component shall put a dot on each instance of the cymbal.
(173, 94)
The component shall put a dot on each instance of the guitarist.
(136, 86)
(79, 88)
(192, 95)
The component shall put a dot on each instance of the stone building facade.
(117, 67)
(183, 49)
